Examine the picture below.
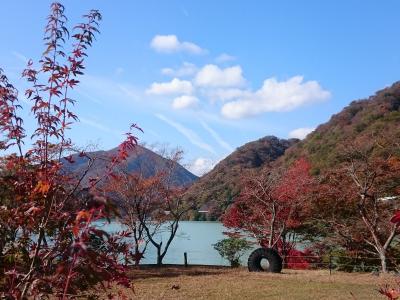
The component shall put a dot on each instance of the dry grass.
(224, 283)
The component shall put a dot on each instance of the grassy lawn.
(224, 283)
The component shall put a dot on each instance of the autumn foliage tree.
(167, 210)
(355, 201)
(49, 241)
(269, 206)
(152, 206)
(390, 292)
(134, 193)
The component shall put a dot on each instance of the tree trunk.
(137, 255)
(159, 257)
(271, 241)
(382, 256)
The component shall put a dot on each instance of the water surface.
(193, 237)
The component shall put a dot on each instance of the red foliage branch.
(50, 242)
(10, 122)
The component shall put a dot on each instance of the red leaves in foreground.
(51, 244)
(390, 293)
(128, 145)
(396, 218)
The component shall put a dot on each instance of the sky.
(209, 76)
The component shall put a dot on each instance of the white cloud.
(185, 101)
(188, 133)
(276, 96)
(130, 92)
(98, 89)
(217, 137)
(171, 44)
(187, 69)
(100, 126)
(95, 124)
(175, 86)
(168, 71)
(213, 76)
(224, 58)
(88, 96)
(300, 133)
(20, 56)
(227, 94)
(201, 165)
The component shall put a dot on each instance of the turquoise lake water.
(193, 237)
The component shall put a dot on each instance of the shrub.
(232, 249)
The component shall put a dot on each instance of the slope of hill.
(359, 122)
(141, 160)
(215, 190)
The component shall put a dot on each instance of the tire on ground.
(273, 258)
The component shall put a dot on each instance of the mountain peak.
(141, 160)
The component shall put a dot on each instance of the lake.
(193, 237)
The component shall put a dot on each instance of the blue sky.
(209, 76)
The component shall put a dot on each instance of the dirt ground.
(225, 283)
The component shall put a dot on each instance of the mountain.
(140, 160)
(361, 121)
(215, 190)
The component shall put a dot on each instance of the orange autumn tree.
(49, 242)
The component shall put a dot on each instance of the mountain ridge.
(361, 120)
(141, 159)
(215, 190)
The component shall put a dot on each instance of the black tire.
(273, 258)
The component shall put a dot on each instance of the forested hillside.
(216, 189)
(377, 117)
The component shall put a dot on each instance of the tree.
(232, 249)
(153, 206)
(372, 179)
(392, 293)
(359, 196)
(47, 219)
(132, 192)
(170, 208)
(270, 204)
